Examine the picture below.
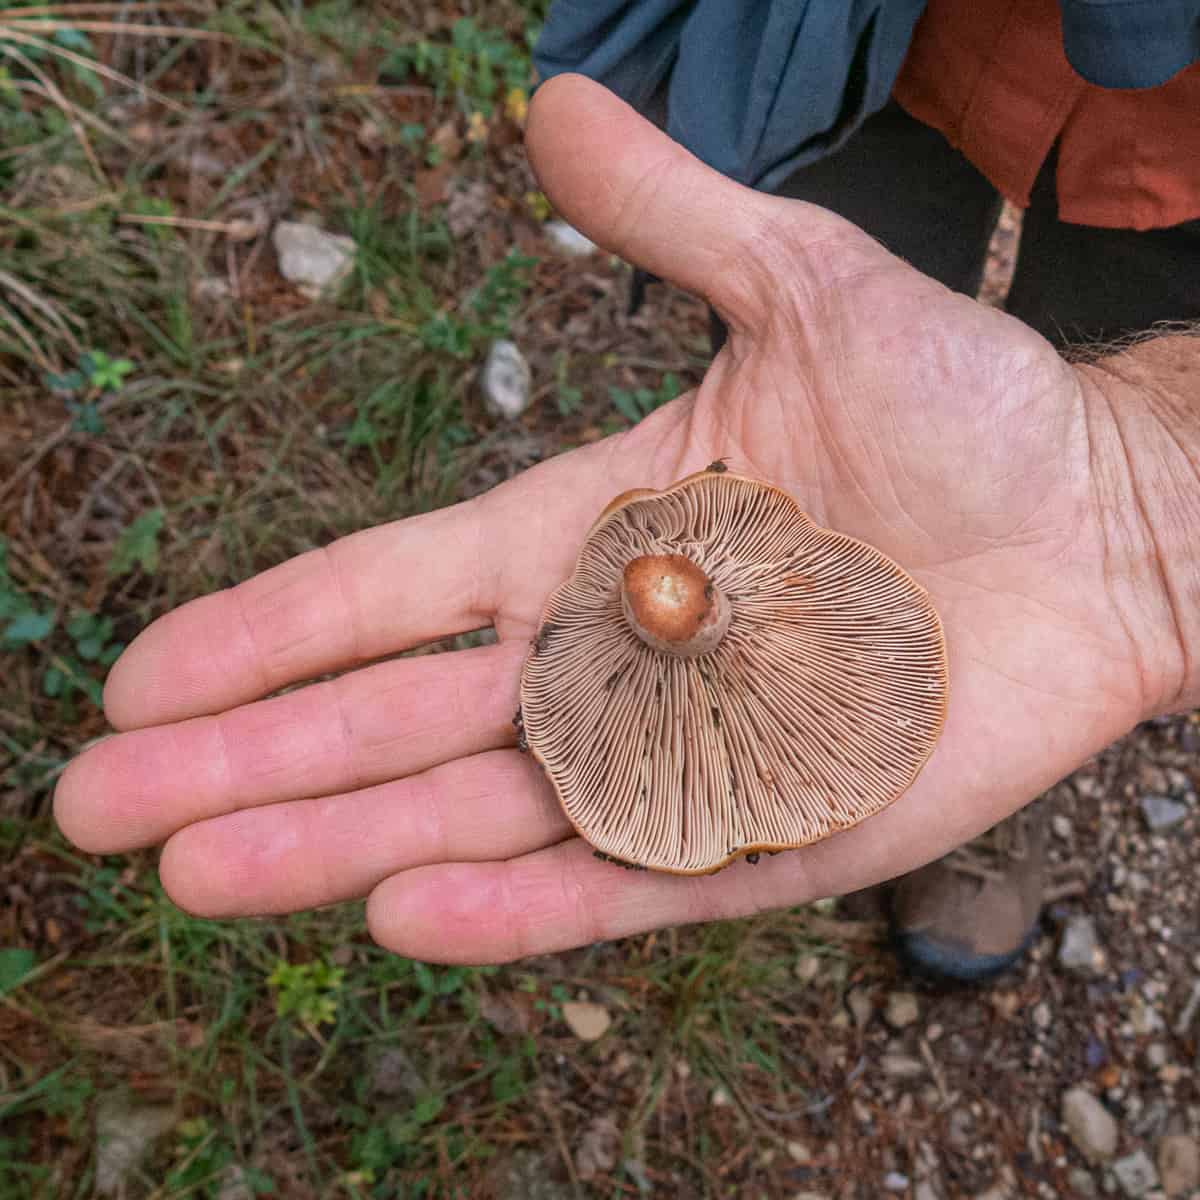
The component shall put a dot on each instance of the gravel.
(1162, 813)
(1135, 1174)
(1091, 1126)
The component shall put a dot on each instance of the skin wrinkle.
(576, 899)
(265, 685)
(267, 605)
(434, 831)
(318, 815)
(484, 604)
(1154, 556)
(351, 768)
(642, 195)
(223, 754)
(329, 556)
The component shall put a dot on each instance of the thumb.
(636, 192)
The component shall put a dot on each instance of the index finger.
(375, 592)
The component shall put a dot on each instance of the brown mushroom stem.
(673, 606)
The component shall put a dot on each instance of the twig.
(102, 6)
(52, 26)
(560, 1139)
(90, 64)
(44, 306)
(59, 99)
(238, 230)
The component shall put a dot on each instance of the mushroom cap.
(818, 707)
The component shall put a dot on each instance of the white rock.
(894, 1181)
(1162, 813)
(1091, 1126)
(311, 257)
(1062, 827)
(858, 1001)
(901, 1066)
(567, 239)
(506, 380)
(124, 1134)
(1081, 1181)
(211, 289)
(1080, 949)
(1135, 1173)
(807, 968)
(1179, 1164)
(903, 1008)
(234, 1184)
(1042, 1016)
(585, 1020)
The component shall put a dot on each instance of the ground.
(177, 415)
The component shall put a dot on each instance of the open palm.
(947, 435)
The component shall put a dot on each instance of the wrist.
(1143, 415)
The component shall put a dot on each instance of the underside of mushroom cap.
(816, 709)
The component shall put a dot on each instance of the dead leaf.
(508, 1012)
(597, 1153)
(446, 141)
(477, 129)
(516, 105)
(587, 1021)
(430, 184)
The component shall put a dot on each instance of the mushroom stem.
(673, 606)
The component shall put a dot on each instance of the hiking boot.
(972, 914)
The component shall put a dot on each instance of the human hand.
(948, 435)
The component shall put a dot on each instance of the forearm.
(1143, 411)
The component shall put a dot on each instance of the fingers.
(632, 189)
(311, 852)
(558, 898)
(377, 723)
(366, 595)
(562, 896)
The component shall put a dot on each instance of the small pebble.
(506, 380)
(1062, 827)
(901, 1066)
(567, 239)
(1080, 950)
(1082, 1183)
(1178, 1164)
(1090, 1125)
(903, 1009)
(1161, 813)
(1135, 1174)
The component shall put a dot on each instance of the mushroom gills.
(721, 677)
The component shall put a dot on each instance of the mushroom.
(721, 676)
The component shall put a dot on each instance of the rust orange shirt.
(992, 76)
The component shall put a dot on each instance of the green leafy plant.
(92, 638)
(486, 312)
(474, 65)
(16, 963)
(97, 375)
(309, 992)
(205, 1163)
(641, 402)
(568, 397)
(22, 622)
(137, 545)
